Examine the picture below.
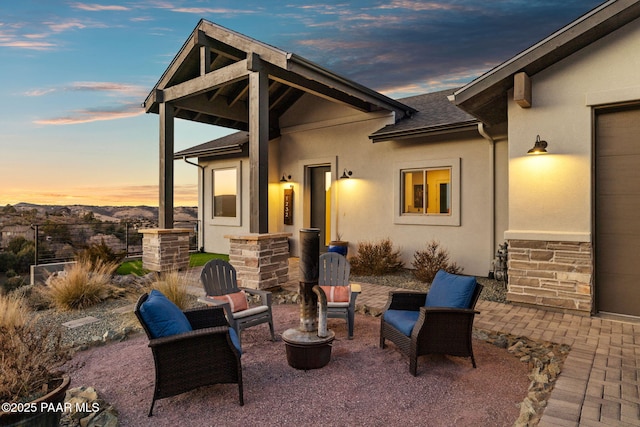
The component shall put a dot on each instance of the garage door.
(617, 222)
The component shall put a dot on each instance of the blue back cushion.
(450, 290)
(163, 317)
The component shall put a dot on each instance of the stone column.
(165, 249)
(261, 260)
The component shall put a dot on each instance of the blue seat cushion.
(402, 320)
(450, 290)
(162, 317)
(235, 340)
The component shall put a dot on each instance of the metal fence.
(59, 242)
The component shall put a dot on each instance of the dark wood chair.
(334, 271)
(204, 356)
(219, 278)
(440, 330)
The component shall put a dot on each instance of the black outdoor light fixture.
(346, 174)
(285, 178)
(540, 147)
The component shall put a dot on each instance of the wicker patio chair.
(221, 286)
(334, 272)
(204, 356)
(417, 329)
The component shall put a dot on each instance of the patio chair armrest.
(405, 300)
(450, 310)
(443, 321)
(186, 336)
(207, 317)
(193, 342)
(265, 296)
(354, 291)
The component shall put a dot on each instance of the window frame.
(411, 218)
(227, 220)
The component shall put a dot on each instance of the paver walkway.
(600, 381)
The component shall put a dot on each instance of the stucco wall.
(316, 132)
(550, 195)
(364, 204)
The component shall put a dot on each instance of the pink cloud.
(88, 116)
(98, 7)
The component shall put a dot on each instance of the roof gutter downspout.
(492, 192)
(200, 202)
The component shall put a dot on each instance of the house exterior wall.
(364, 205)
(550, 196)
(318, 132)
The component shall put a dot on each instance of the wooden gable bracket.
(522, 90)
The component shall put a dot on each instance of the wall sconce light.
(285, 178)
(540, 147)
(346, 174)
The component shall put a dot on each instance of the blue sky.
(74, 75)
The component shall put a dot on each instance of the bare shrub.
(376, 258)
(13, 312)
(173, 284)
(82, 285)
(427, 263)
(30, 354)
(100, 253)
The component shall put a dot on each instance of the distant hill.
(110, 213)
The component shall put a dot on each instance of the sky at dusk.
(74, 75)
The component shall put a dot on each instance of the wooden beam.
(244, 44)
(229, 74)
(201, 104)
(258, 147)
(165, 211)
(205, 60)
(317, 89)
(237, 96)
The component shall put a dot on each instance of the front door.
(320, 206)
(617, 203)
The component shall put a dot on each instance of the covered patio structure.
(226, 79)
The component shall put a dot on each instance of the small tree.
(376, 258)
(427, 263)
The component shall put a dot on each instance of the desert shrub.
(30, 354)
(427, 263)
(100, 252)
(11, 284)
(81, 285)
(173, 285)
(19, 256)
(8, 261)
(35, 297)
(376, 258)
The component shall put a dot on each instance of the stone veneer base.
(551, 274)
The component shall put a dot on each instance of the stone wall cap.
(164, 230)
(257, 236)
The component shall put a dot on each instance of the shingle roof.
(435, 114)
(225, 145)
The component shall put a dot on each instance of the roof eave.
(490, 87)
(318, 73)
(470, 125)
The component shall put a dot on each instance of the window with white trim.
(428, 192)
(226, 194)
